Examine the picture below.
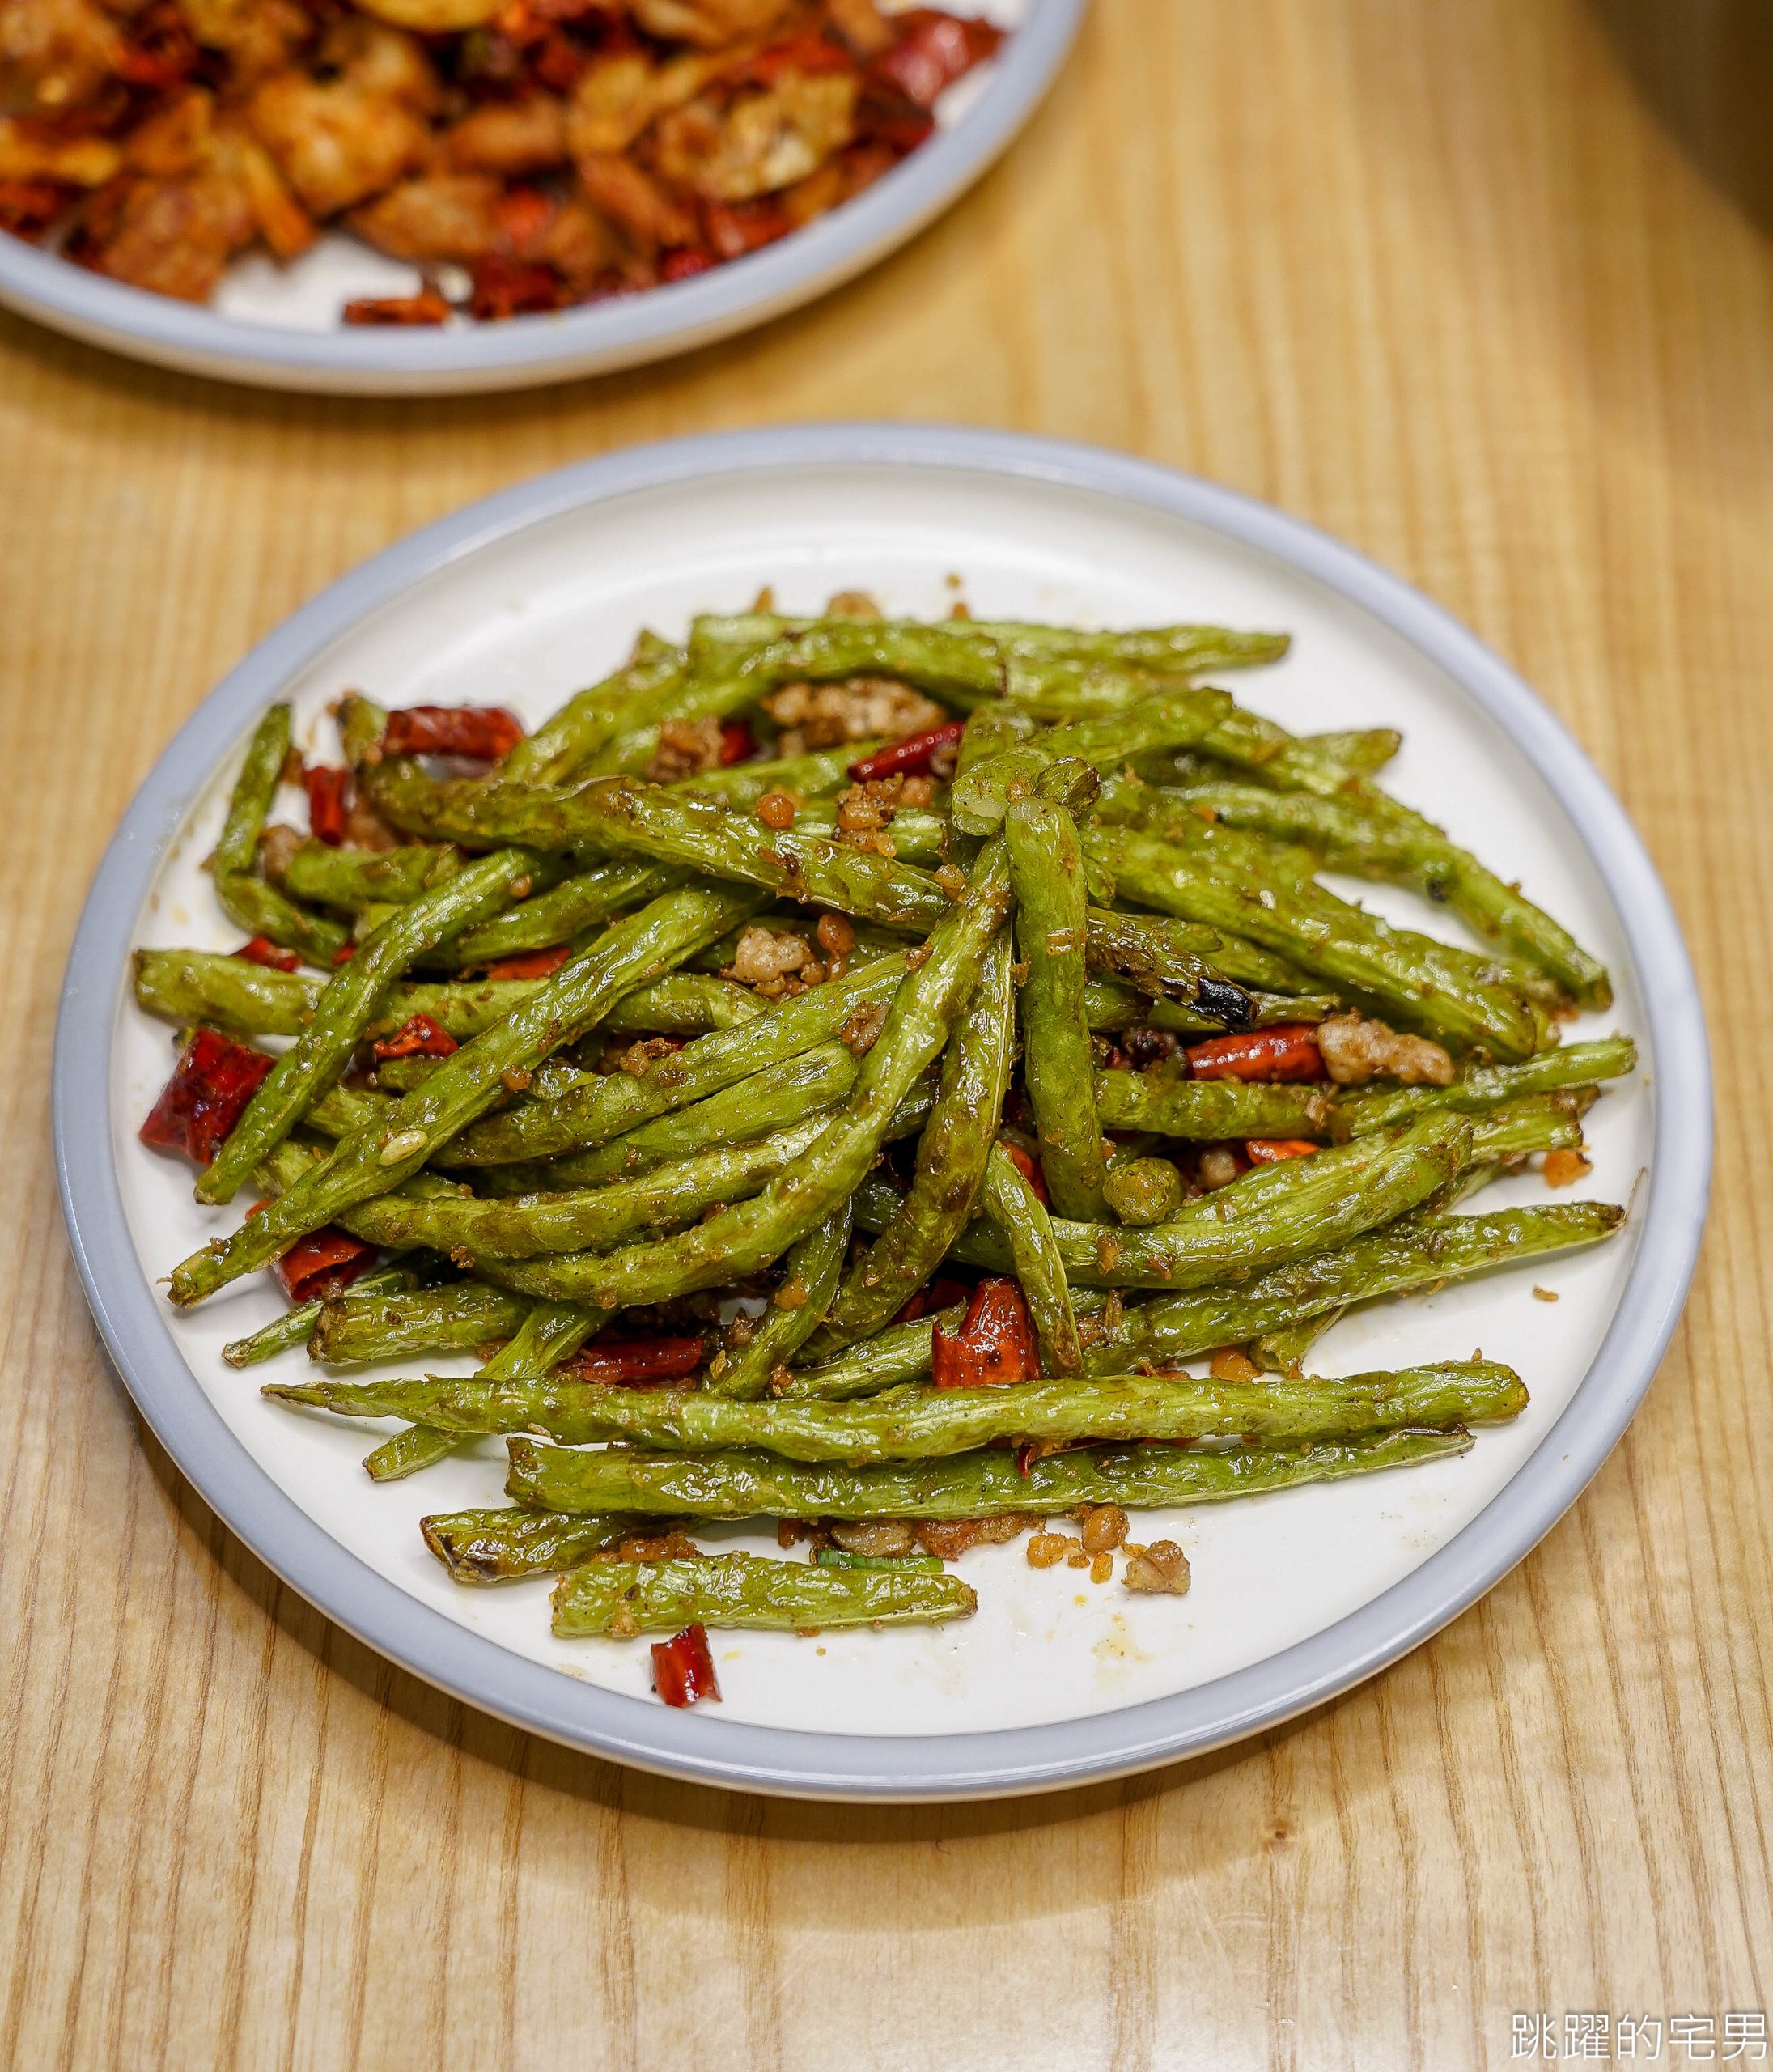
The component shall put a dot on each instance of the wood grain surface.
(1445, 276)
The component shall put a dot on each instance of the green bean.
(560, 913)
(1275, 1213)
(184, 986)
(378, 1157)
(1109, 1007)
(409, 1453)
(850, 1008)
(355, 878)
(1022, 1220)
(890, 1564)
(1172, 718)
(356, 1330)
(814, 1265)
(1418, 1251)
(1361, 831)
(1045, 874)
(350, 1002)
(1168, 650)
(1210, 1110)
(297, 1326)
(813, 775)
(1143, 1191)
(737, 1241)
(899, 1353)
(777, 1098)
(506, 1545)
(621, 1598)
(933, 1423)
(1173, 960)
(619, 816)
(246, 900)
(1329, 937)
(249, 805)
(983, 1485)
(1285, 1351)
(1480, 1087)
(1537, 1122)
(684, 1004)
(950, 1164)
(917, 837)
(555, 750)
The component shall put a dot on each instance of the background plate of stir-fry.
(882, 1110)
(422, 195)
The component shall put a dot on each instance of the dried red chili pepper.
(940, 1293)
(262, 950)
(530, 963)
(734, 228)
(738, 743)
(524, 214)
(481, 734)
(1030, 1170)
(513, 287)
(344, 954)
(995, 1345)
(635, 1362)
(426, 307)
(28, 207)
(161, 53)
(328, 802)
(419, 1037)
(934, 51)
(1271, 1150)
(211, 1084)
(685, 263)
(321, 1265)
(683, 1667)
(1289, 1050)
(910, 757)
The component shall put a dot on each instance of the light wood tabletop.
(1457, 280)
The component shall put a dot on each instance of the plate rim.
(628, 331)
(996, 1762)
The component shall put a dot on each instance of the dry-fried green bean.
(352, 879)
(505, 1545)
(982, 1484)
(1210, 1111)
(1481, 1087)
(1418, 1251)
(246, 900)
(297, 1327)
(620, 1598)
(556, 750)
(899, 1353)
(1109, 1007)
(1022, 1221)
(355, 1330)
(813, 1267)
(950, 1164)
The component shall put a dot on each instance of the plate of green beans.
(881, 1112)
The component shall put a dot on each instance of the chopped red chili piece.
(344, 954)
(738, 743)
(935, 51)
(28, 207)
(321, 1265)
(940, 1293)
(1289, 1050)
(418, 1037)
(162, 54)
(328, 802)
(995, 1345)
(211, 1084)
(888, 121)
(558, 62)
(734, 228)
(807, 52)
(530, 963)
(262, 950)
(1271, 1150)
(627, 1363)
(683, 1667)
(481, 734)
(1030, 1170)
(426, 307)
(685, 263)
(524, 214)
(910, 757)
(513, 287)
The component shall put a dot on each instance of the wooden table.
(1428, 272)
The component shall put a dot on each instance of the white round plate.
(279, 327)
(1296, 1595)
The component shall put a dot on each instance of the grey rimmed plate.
(279, 327)
(1296, 1596)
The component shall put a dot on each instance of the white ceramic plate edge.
(812, 1764)
(530, 351)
